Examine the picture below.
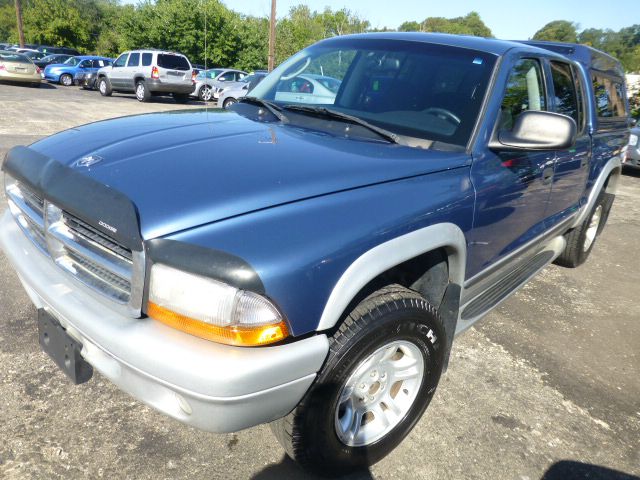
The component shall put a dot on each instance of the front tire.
(66, 80)
(142, 92)
(580, 240)
(205, 93)
(383, 367)
(104, 87)
(228, 102)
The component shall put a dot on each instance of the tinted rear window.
(173, 62)
(13, 57)
(609, 95)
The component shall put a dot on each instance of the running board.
(510, 283)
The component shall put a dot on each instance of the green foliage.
(559, 31)
(471, 24)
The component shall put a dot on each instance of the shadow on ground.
(570, 470)
(287, 469)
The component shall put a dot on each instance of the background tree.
(559, 31)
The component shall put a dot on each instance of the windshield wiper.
(274, 109)
(327, 112)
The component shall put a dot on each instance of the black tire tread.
(392, 297)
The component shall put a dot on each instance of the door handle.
(547, 175)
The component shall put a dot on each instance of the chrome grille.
(92, 257)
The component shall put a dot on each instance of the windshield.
(414, 89)
(212, 73)
(73, 61)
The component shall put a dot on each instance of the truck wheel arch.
(383, 257)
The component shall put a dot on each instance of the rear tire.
(142, 92)
(344, 423)
(66, 80)
(580, 240)
(104, 87)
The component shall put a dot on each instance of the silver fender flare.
(389, 254)
(610, 166)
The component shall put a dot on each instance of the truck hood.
(187, 168)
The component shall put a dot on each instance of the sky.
(518, 19)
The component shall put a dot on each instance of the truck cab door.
(571, 168)
(512, 187)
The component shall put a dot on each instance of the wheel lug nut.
(363, 386)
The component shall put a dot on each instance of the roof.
(586, 55)
(489, 45)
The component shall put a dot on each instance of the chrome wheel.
(66, 80)
(592, 229)
(205, 94)
(140, 91)
(229, 102)
(103, 87)
(379, 393)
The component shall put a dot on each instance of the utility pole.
(19, 22)
(272, 36)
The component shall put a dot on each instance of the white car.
(308, 88)
(210, 82)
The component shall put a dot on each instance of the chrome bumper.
(213, 387)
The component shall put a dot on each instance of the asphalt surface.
(545, 387)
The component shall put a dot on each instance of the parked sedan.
(16, 67)
(52, 59)
(208, 81)
(230, 95)
(65, 73)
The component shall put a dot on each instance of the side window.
(121, 60)
(525, 91)
(564, 88)
(146, 59)
(85, 64)
(609, 95)
(134, 60)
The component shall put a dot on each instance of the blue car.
(64, 73)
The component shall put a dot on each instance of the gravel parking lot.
(546, 387)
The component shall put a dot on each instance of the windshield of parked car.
(13, 57)
(73, 61)
(212, 73)
(413, 89)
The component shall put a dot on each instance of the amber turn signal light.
(237, 335)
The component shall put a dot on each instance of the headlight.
(212, 310)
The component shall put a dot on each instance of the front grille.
(92, 257)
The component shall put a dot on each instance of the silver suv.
(147, 73)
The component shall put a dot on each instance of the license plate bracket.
(63, 350)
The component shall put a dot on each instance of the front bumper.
(632, 157)
(210, 386)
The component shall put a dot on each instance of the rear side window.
(134, 60)
(565, 94)
(525, 91)
(609, 94)
(173, 62)
(146, 59)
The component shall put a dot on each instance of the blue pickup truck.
(309, 263)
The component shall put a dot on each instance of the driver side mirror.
(246, 87)
(536, 130)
